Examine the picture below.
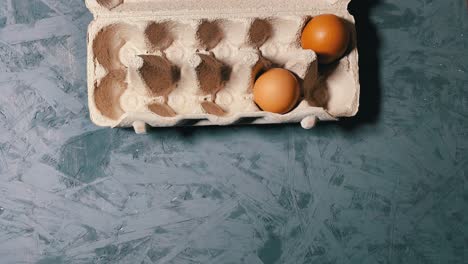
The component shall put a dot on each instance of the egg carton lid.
(209, 7)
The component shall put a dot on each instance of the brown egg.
(277, 91)
(327, 35)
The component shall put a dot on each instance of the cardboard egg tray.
(169, 63)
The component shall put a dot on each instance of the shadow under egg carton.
(148, 68)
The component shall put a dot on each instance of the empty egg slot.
(236, 95)
(107, 94)
(159, 74)
(107, 46)
(108, 43)
(259, 32)
(212, 75)
(209, 34)
(159, 35)
(332, 92)
(160, 77)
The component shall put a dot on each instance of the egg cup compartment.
(146, 67)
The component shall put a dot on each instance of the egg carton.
(169, 63)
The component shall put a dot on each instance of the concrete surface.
(389, 186)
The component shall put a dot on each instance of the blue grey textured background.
(389, 186)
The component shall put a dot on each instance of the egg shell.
(277, 91)
(328, 36)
